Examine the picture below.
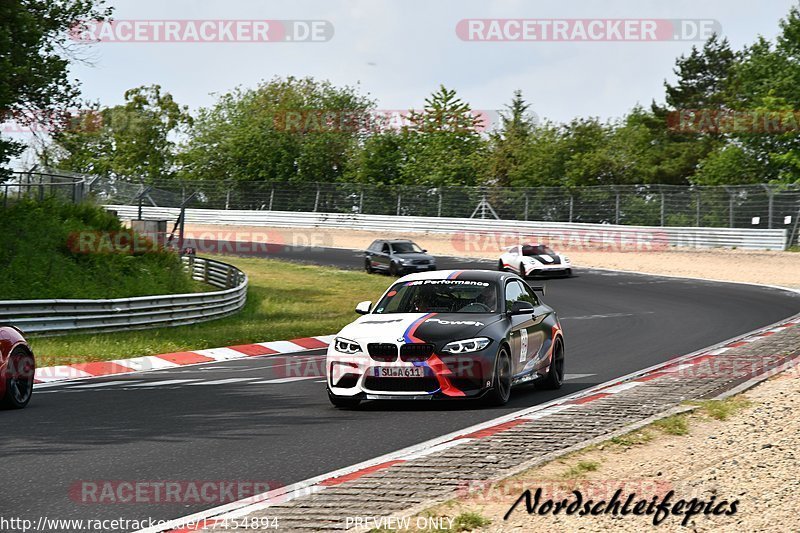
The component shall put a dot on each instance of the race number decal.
(523, 346)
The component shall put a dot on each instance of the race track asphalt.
(247, 420)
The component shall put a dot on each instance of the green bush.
(37, 261)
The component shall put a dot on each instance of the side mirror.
(364, 308)
(424, 251)
(521, 308)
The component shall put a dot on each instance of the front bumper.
(442, 376)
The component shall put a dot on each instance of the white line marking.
(220, 354)
(621, 387)
(163, 383)
(282, 380)
(283, 346)
(104, 384)
(221, 381)
(568, 377)
(148, 362)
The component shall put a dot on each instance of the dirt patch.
(751, 457)
(763, 267)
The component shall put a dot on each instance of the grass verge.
(285, 301)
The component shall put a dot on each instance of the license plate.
(398, 372)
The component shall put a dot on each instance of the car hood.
(418, 327)
(545, 259)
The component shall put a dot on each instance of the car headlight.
(565, 258)
(346, 346)
(467, 346)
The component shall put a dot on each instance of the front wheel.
(500, 266)
(501, 382)
(522, 270)
(555, 377)
(19, 379)
(343, 402)
(368, 266)
(393, 270)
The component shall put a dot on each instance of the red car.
(17, 367)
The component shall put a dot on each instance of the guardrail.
(60, 317)
(558, 233)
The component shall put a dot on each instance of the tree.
(35, 52)
(702, 76)
(442, 143)
(289, 129)
(135, 140)
(510, 143)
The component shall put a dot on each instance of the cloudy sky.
(400, 50)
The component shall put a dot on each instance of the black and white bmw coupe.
(447, 335)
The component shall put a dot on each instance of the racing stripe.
(409, 334)
(441, 372)
(455, 274)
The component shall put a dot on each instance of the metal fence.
(39, 185)
(755, 207)
(466, 232)
(61, 317)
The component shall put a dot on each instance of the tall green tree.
(288, 129)
(135, 140)
(443, 143)
(35, 53)
(510, 143)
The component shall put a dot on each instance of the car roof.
(472, 275)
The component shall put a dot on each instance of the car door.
(383, 257)
(511, 258)
(525, 338)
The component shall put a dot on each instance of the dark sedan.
(397, 257)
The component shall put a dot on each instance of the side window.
(375, 246)
(530, 296)
(514, 293)
(385, 248)
(514, 250)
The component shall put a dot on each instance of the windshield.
(440, 296)
(538, 249)
(406, 248)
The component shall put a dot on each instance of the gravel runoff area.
(762, 267)
(752, 457)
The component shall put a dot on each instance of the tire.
(19, 379)
(393, 270)
(501, 380)
(368, 267)
(555, 376)
(568, 273)
(500, 266)
(522, 271)
(343, 402)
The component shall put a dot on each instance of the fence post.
(697, 214)
(526, 205)
(271, 196)
(228, 199)
(361, 202)
(663, 209)
(571, 206)
(730, 207)
(399, 196)
(316, 200)
(616, 208)
(770, 203)
(439, 212)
